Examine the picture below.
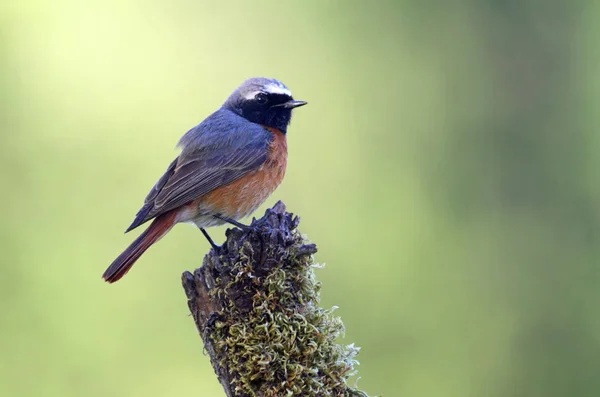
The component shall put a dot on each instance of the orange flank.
(242, 197)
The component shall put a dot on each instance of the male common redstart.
(229, 164)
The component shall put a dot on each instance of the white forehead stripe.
(269, 89)
(277, 89)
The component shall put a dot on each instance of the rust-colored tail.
(159, 227)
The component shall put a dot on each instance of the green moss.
(272, 335)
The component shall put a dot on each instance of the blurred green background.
(446, 166)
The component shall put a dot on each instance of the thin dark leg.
(210, 240)
(233, 222)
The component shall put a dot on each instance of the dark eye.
(261, 98)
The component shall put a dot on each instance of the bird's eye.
(261, 98)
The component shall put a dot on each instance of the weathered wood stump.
(255, 304)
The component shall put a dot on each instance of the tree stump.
(255, 302)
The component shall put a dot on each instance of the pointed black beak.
(293, 104)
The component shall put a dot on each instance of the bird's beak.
(293, 104)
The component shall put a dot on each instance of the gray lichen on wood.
(255, 303)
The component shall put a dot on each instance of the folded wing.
(199, 171)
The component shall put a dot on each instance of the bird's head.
(264, 101)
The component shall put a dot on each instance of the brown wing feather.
(197, 173)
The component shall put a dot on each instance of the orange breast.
(244, 196)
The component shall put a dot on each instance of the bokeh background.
(446, 166)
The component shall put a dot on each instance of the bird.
(229, 164)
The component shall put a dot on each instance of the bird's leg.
(233, 222)
(210, 240)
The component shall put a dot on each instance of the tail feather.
(157, 229)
